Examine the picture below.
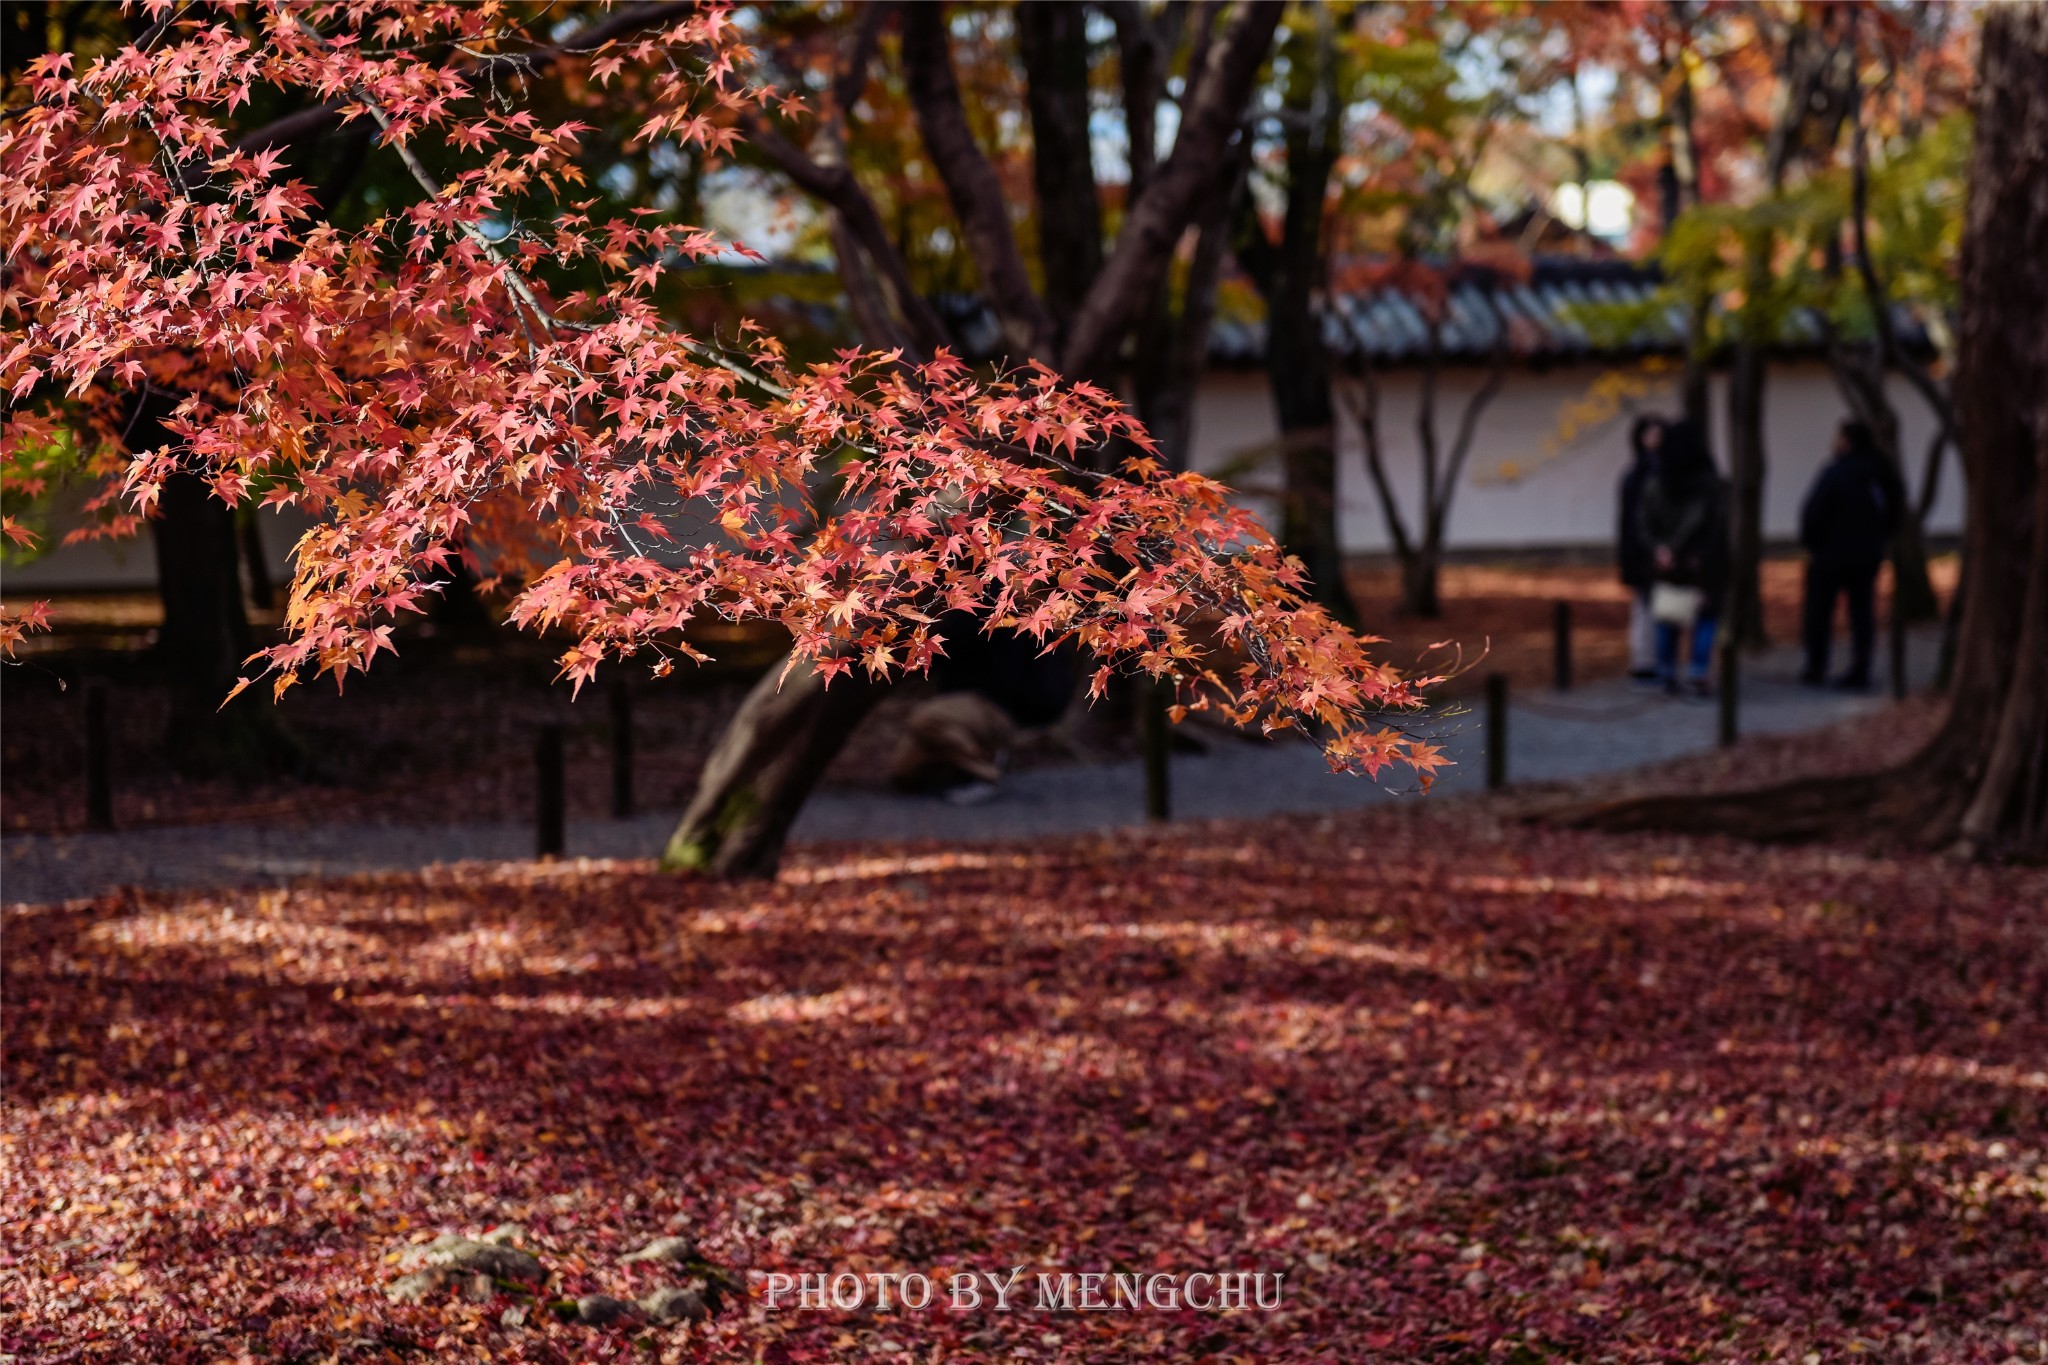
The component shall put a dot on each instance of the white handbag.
(1674, 604)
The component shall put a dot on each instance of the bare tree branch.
(971, 183)
(1468, 427)
(1155, 222)
(1365, 410)
(835, 186)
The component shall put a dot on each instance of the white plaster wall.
(131, 563)
(1565, 493)
(1565, 496)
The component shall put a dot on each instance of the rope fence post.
(548, 804)
(1897, 640)
(99, 780)
(1496, 731)
(1561, 645)
(1158, 772)
(622, 750)
(1729, 691)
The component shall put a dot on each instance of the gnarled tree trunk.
(788, 731)
(1980, 787)
(767, 763)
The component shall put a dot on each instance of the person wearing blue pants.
(1683, 518)
(1631, 554)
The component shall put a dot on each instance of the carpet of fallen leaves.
(1481, 1092)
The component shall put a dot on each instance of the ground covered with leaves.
(1481, 1092)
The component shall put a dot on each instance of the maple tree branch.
(1144, 54)
(311, 122)
(852, 77)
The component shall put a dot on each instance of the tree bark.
(1980, 787)
(1053, 41)
(1297, 357)
(1421, 572)
(1912, 591)
(1153, 226)
(205, 636)
(255, 560)
(971, 183)
(205, 639)
(1998, 721)
(788, 731)
(1802, 69)
(769, 760)
(1684, 193)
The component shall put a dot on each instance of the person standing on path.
(1684, 521)
(1633, 552)
(1849, 518)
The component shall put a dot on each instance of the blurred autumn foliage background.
(1735, 1056)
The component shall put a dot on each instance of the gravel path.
(1605, 726)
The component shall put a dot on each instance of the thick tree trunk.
(255, 560)
(1980, 787)
(458, 611)
(1053, 41)
(1683, 194)
(1297, 358)
(205, 639)
(767, 763)
(1420, 571)
(1998, 723)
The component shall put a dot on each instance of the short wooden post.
(1729, 701)
(1897, 642)
(99, 780)
(1496, 731)
(1158, 773)
(548, 805)
(1561, 645)
(622, 750)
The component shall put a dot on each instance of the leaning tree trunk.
(771, 756)
(1980, 787)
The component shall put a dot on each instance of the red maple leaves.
(436, 379)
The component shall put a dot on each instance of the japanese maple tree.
(487, 365)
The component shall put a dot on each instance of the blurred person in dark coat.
(1633, 552)
(1684, 521)
(1847, 523)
